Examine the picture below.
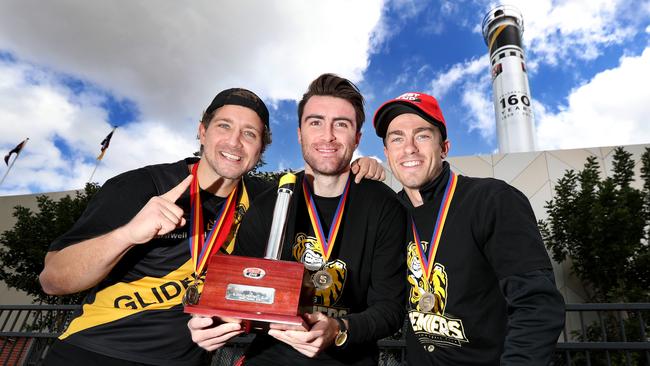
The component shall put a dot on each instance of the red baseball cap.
(421, 104)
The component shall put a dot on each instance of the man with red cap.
(481, 286)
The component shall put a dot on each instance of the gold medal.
(192, 295)
(322, 279)
(427, 301)
(427, 256)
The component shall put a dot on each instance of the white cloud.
(608, 110)
(406, 9)
(480, 110)
(35, 105)
(171, 57)
(557, 31)
(167, 57)
(471, 81)
(458, 73)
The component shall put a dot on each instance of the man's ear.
(446, 145)
(201, 134)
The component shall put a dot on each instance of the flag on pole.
(15, 150)
(105, 142)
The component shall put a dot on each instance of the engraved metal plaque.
(257, 294)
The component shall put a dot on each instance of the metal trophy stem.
(276, 237)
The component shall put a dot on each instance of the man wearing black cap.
(481, 285)
(133, 249)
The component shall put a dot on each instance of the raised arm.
(82, 265)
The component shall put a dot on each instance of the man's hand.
(368, 168)
(209, 335)
(83, 265)
(318, 338)
(158, 217)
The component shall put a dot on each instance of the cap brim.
(389, 111)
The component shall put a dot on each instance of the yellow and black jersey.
(135, 313)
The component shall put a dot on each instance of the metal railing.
(605, 334)
(594, 334)
(26, 331)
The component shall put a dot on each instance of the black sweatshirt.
(368, 265)
(498, 303)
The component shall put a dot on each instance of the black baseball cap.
(241, 97)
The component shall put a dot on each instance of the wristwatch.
(342, 335)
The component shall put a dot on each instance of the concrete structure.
(502, 30)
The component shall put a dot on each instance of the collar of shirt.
(430, 190)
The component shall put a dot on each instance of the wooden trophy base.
(261, 293)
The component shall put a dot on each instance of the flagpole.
(94, 170)
(13, 162)
(101, 155)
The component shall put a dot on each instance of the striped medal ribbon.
(202, 248)
(322, 278)
(427, 258)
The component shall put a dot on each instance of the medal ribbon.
(202, 248)
(428, 261)
(325, 246)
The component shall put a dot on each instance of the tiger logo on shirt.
(437, 284)
(433, 327)
(306, 250)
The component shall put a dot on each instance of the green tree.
(601, 226)
(23, 248)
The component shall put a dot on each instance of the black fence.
(605, 334)
(595, 334)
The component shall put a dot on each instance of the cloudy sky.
(70, 70)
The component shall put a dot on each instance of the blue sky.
(69, 70)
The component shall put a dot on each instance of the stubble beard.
(222, 171)
(329, 168)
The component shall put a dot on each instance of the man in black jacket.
(481, 285)
(350, 236)
(130, 247)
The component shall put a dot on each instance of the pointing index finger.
(173, 194)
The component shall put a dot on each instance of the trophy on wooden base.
(261, 292)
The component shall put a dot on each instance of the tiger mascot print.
(437, 284)
(305, 250)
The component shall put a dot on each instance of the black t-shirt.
(366, 264)
(135, 313)
(490, 233)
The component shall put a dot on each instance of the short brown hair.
(335, 86)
